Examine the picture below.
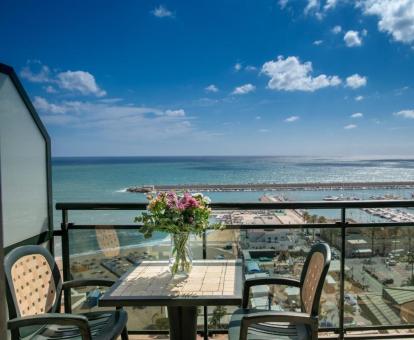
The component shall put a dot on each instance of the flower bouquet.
(178, 215)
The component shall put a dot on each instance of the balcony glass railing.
(369, 289)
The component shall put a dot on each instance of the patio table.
(210, 283)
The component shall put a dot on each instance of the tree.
(321, 219)
(218, 313)
(162, 323)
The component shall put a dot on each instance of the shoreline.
(150, 243)
(273, 186)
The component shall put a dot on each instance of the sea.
(105, 179)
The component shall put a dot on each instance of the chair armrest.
(87, 282)
(266, 281)
(269, 316)
(79, 321)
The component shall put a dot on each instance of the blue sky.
(290, 77)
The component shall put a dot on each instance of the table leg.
(183, 322)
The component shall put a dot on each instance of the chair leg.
(124, 334)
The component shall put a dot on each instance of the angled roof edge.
(8, 70)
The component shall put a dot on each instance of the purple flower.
(172, 200)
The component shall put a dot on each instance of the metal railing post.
(342, 281)
(205, 310)
(204, 244)
(66, 260)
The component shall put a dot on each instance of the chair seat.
(105, 325)
(268, 330)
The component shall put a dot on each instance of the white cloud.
(283, 3)
(330, 4)
(264, 130)
(359, 98)
(237, 67)
(50, 89)
(57, 119)
(400, 91)
(42, 104)
(41, 76)
(356, 81)
(250, 68)
(337, 29)
(244, 89)
(350, 126)
(211, 88)
(318, 42)
(357, 115)
(312, 5)
(292, 119)
(175, 113)
(79, 81)
(110, 100)
(396, 17)
(291, 75)
(120, 121)
(405, 114)
(94, 111)
(320, 7)
(162, 12)
(352, 39)
(73, 81)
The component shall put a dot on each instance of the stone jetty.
(273, 186)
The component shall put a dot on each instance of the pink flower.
(187, 201)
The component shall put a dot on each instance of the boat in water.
(331, 198)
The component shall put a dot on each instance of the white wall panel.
(23, 168)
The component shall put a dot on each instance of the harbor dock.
(273, 186)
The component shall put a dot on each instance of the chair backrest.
(108, 242)
(34, 284)
(313, 277)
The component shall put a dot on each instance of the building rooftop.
(375, 305)
(399, 296)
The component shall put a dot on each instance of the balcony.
(368, 293)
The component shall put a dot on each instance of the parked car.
(388, 281)
(350, 299)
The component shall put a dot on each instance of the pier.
(273, 186)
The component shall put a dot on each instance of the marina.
(394, 215)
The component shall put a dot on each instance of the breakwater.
(274, 186)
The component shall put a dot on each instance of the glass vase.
(181, 257)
